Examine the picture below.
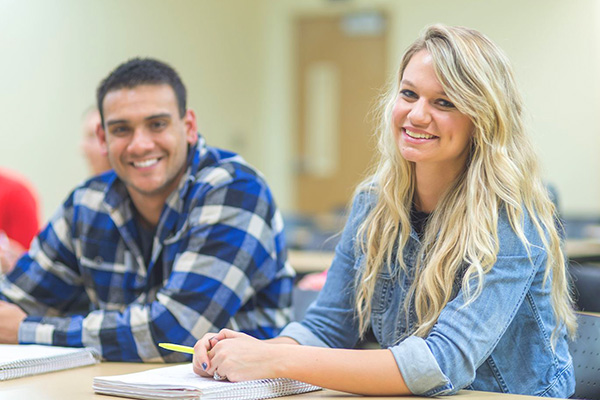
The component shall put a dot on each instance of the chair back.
(585, 279)
(301, 300)
(585, 350)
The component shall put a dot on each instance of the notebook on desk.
(181, 383)
(29, 359)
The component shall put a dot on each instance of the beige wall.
(236, 59)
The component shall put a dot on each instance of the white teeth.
(418, 135)
(145, 163)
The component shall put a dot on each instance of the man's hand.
(11, 317)
(10, 252)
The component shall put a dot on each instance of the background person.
(91, 148)
(450, 253)
(179, 239)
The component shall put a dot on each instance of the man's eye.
(158, 125)
(119, 130)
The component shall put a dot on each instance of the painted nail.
(204, 366)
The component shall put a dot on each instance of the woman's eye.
(445, 103)
(408, 93)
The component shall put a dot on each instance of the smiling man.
(177, 240)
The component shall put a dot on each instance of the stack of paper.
(23, 360)
(180, 382)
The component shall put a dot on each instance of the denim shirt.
(500, 342)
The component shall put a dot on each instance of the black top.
(145, 241)
(418, 219)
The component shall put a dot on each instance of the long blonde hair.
(502, 172)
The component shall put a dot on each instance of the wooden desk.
(583, 250)
(77, 384)
(304, 262)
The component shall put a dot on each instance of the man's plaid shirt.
(219, 241)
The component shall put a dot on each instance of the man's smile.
(146, 163)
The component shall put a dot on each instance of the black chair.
(301, 300)
(585, 350)
(585, 280)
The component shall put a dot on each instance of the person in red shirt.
(19, 217)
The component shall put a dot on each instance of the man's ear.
(101, 134)
(191, 127)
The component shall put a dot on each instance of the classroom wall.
(236, 58)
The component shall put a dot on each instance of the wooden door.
(341, 71)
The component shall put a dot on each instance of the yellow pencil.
(177, 347)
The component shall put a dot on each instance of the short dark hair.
(142, 71)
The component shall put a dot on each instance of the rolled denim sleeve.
(419, 368)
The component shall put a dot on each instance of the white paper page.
(178, 376)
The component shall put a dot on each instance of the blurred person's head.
(138, 72)
(90, 146)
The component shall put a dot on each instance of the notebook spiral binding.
(259, 389)
(18, 369)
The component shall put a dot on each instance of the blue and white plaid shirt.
(219, 242)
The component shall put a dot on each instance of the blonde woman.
(450, 254)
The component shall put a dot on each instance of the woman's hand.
(201, 359)
(236, 356)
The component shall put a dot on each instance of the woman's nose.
(419, 114)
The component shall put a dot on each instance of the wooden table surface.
(77, 384)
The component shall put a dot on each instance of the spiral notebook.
(180, 382)
(31, 359)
